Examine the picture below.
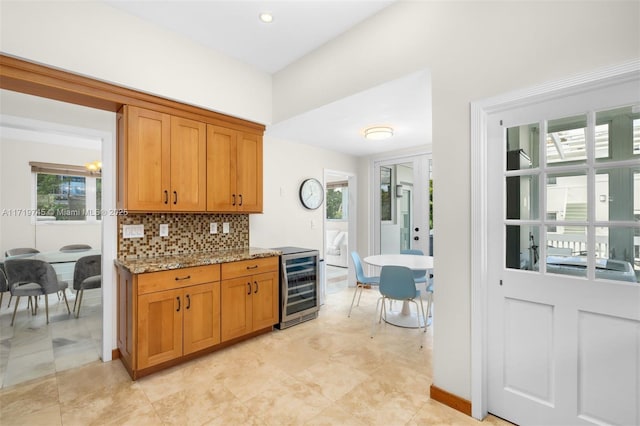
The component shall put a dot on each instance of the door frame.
(480, 111)
(420, 161)
(352, 220)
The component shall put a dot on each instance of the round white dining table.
(403, 317)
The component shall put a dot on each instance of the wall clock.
(311, 193)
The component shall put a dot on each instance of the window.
(337, 201)
(585, 186)
(66, 193)
(385, 194)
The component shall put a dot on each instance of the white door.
(563, 322)
(401, 199)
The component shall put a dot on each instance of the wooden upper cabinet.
(144, 151)
(188, 165)
(234, 170)
(249, 172)
(161, 162)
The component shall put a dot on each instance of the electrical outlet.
(213, 228)
(225, 227)
(164, 230)
(132, 231)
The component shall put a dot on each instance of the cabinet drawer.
(177, 278)
(249, 267)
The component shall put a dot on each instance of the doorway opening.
(44, 148)
(339, 228)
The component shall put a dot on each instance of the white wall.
(39, 120)
(20, 230)
(94, 39)
(284, 221)
(474, 50)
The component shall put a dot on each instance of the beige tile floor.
(31, 348)
(322, 372)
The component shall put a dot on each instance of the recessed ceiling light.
(378, 132)
(266, 17)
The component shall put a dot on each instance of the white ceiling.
(233, 28)
(298, 28)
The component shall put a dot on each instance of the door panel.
(249, 172)
(159, 327)
(201, 317)
(401, 206)
(188, 165)
(563, 323)
(221, 169)
(265, 300)
(148, 159)
(235, 307)
(608, 349)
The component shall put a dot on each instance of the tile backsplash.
(188, 233)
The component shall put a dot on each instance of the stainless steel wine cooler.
(299, 285)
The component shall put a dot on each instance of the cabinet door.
(265, 300)
(188, 165)
(201, 327)
(249, 172)
(221, 169)
(159, 327)
(235, 307)
(146, 151)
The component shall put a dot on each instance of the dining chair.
(87, 274)
(4, 285)
(362, 280)
(76, 247)
(17, 252)
(397, 283)
(420, 277)
(32, 277)
(20, 250)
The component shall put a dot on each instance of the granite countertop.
(163, 263)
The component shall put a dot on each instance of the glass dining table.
(62, 261)
(404, 317)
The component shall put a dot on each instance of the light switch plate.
(213, 228)
(225, 227)
(164, 230)
(132, 231)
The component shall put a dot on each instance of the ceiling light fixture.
(94, 167)
(266, 17)
(378, 132)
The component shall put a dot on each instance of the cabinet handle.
(249, 292)
(252, 267)
(234, 200)
(240, 198)
(183, 278)
(256, 290)
(188, 301)
(166, 197)
(178, 297)
(175, 197)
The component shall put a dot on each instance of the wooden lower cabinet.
(165, 317)
(173, 323)
(249, 296)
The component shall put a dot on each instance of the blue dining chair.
(362, 280)
(420, 277)
(397, 283)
